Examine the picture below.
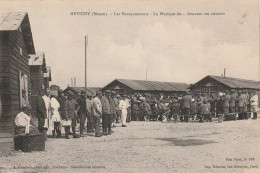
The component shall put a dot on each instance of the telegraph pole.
(86, 43)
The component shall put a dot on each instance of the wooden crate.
(30, 142)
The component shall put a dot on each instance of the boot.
(67, 130)
(81, 129)
(74, 133)
(53, 133)
(59, 134)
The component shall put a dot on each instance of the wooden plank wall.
(37, 82)
(18, 63)
(11, 62)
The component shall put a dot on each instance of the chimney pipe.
(224, 72)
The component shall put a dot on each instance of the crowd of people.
(229, 105)
(68, 110)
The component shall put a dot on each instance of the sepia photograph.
(129, 86)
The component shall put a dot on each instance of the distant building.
(16, 43)
(125, 86)
(212, 84)
(77, 90)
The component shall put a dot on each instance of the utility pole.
(86, 43)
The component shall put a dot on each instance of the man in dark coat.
(82, 111)
(232, 103)
(106, 112)
(226, 100)
(89, 103)
(185, 106)
(41, 113)
(115, 106)
(63, 111)
(71, 112)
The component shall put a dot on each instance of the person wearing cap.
(123, 105)
(205, 112)
(82, 111)
(41, 113)
(232, 102)
(106, 112)
(226, 100)
(55, 106)
(128, 117)
(185, 107)
(115, 107)
(241, 105)
(63, 112)
(97, 113)
(47, 102)
(89, 103)
(118, 115)
(134, 108)
(71, 112)
(23, 124)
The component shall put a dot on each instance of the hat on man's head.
(117, 95)
(98, 93)
(70, 93)
(107, 91)
(60, 91)
(113, 92)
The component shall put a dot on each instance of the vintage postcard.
(129, 86)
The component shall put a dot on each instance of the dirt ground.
(150, 147)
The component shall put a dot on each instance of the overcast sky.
(178, 48)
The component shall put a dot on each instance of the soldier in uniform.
(232, 103)
(106, 112)
(185, 107)
(241, 105)
(63, 111)
(82, 111)
(114, 106)
(97, 113)
(226, 100)
(89, 104)
(72, 113)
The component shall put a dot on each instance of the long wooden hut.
(16, 43)
(212, 84)
(142, 86)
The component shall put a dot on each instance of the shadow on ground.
(186, 142)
